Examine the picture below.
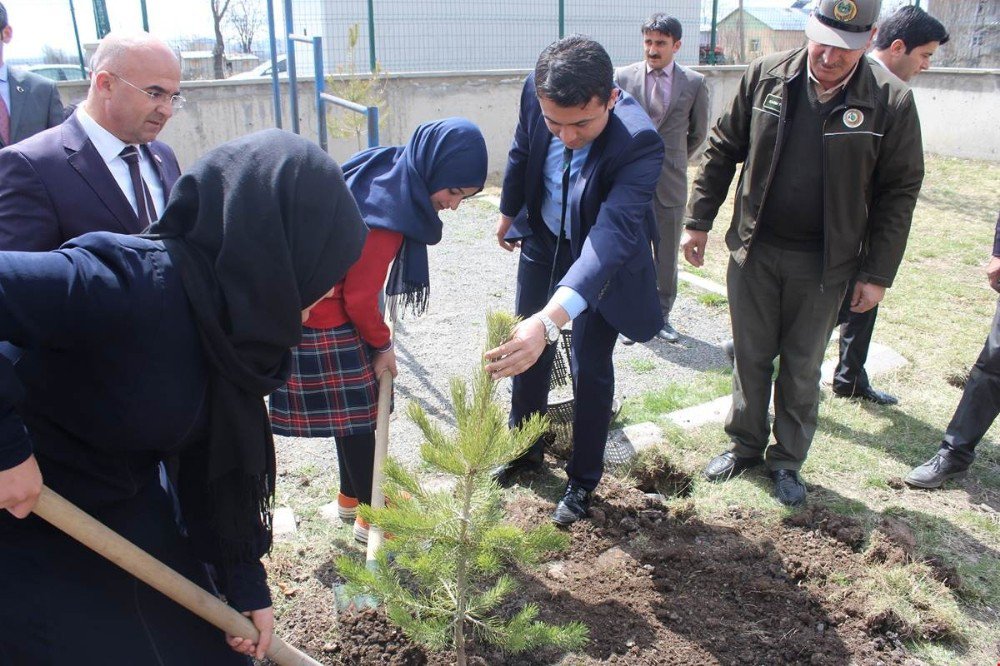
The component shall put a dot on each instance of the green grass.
(651, 406)
(642, 365)
(712, 299)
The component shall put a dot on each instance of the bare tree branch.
(246, 18)
(219, 8)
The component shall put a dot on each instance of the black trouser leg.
(356, 460)
(856, 330)
(980, 403)
(594, 386)
(530, 389)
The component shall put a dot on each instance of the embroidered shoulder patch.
(773, 103)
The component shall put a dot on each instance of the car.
(264, 70)
(58, 72)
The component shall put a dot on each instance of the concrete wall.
(957, 109)
(217, 111)
(958, 112)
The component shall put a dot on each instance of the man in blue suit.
(102, 169)
(577, 199)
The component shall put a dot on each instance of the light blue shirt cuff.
(572, 302)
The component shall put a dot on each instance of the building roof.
(208, 55)
(777, 18)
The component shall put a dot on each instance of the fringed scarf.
(259, 229)
(393, 188)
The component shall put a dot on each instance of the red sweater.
(355, 298)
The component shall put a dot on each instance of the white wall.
(957, 110)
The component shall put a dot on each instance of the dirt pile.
(657, 586)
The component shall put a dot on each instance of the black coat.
(103, 410)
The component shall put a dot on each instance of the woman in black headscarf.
(140, 349)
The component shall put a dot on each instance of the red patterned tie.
(4, 123)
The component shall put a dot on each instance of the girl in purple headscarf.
(333, 387)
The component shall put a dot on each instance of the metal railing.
(321, 97)
(400, 36)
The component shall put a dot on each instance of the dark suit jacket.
(611, 215)
(54, 186)
(34, 105)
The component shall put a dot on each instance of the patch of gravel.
(471, 275)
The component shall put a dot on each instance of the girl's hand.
(20, 487)
(384, 361)
(263, 619)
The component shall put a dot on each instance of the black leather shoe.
(727, 465)
(574, 506)
(934, 472)
(788, 487)
(730, 350)
(668, 333)
(624, 340)
(532, 461)
(869, 393)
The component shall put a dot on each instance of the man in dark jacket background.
(29, 103)
(904, 45)
(832, 164)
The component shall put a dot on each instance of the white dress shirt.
(109, 146)
(5, 85)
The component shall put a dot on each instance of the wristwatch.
(551, 330)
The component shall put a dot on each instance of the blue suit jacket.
(54, 186)
(610, 217)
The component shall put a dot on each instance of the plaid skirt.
(331, 391)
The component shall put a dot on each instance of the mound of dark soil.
(659, 586)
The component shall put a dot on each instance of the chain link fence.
(445, 35)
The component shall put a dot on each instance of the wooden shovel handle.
(54, 509)
(381, 452)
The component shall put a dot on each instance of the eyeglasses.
(176, 101)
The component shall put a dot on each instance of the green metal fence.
(456, 35)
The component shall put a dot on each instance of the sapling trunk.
(461, 587)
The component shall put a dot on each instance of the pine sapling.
(366, 89)
(444, 570)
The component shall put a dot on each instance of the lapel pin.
(20, 89)
(157, 158)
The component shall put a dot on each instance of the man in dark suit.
(904, 45)
(676, 99)
(101, 170)
(577, 199)
(28, 103)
